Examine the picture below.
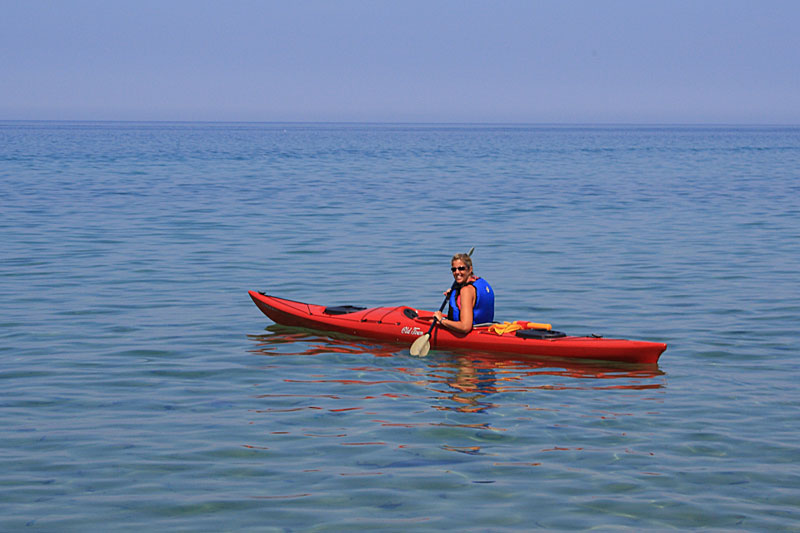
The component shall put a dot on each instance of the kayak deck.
(403, 325)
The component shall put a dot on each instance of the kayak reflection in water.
(471, 298)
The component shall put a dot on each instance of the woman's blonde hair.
(463, 257)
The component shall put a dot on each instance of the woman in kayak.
(471, 299)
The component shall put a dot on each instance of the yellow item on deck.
(508, 327)
(535, 325)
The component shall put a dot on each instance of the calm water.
(142, 389)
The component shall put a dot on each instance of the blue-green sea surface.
(143, 391)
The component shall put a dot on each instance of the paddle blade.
(421, 346)
(425, 349)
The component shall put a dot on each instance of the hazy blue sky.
(668, 61)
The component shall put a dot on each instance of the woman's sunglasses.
(460, 269)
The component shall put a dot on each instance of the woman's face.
(461, 272)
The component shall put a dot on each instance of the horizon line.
(411, 123)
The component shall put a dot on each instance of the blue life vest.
(483, 311)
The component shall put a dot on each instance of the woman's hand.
(438, 316)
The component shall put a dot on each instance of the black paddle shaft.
(441, 308)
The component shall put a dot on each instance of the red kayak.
(403, 325)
